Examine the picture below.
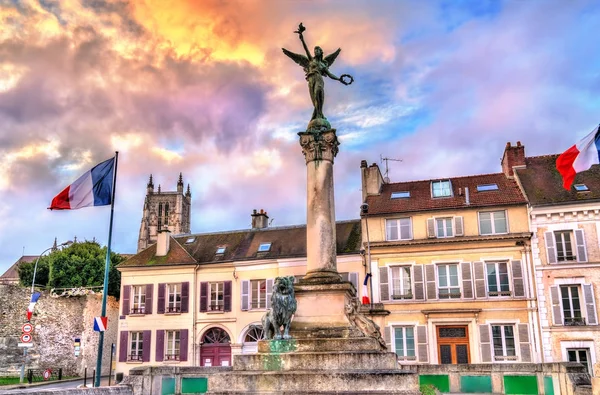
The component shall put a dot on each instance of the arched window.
(254, 334)
(216, 336)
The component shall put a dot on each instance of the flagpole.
(106, 270)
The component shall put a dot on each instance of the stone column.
(319, 149)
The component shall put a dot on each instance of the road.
(54, 385)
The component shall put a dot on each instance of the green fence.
(520, 385)
(439, 381)
(475, 384)
(194, 385)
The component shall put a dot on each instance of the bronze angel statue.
(315, 68)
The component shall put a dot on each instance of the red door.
(216, 348)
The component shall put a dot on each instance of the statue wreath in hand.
(315, 68)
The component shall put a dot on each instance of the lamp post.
(364, 209)
(66, 243)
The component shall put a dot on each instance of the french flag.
(34, 298)
(579, 157)
(365, 292)
(94, 188)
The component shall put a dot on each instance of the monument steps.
(341, 360)
(320, 344)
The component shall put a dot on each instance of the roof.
(12, 271)
(242, 245)
(508, 193)
(543, 184)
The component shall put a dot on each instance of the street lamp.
(364, 210)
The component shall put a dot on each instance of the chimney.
(259, 220)
(162, 242)
(514, 156)
(371, 179)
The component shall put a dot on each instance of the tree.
(25, 270)
(79, 265)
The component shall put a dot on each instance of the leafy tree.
(25, 270)
(79, 265)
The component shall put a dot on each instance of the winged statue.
(315, 67)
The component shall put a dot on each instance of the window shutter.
(384, 290)
(430, 279)
(203, 297)
(518, 283)
(430, 227)
(160, 345)
(550, 247)
(422, 353)
(387, 333)
(269, 292)
(458, 226)
(227, 296)
(557, 313)
(160, 307)
(590, 304)
(485, 343)
(580, 241)
(479, 280)
(354, 280)
(146, 342)
(419, 282)
(126, 295)
(185, 297)
(148, 304)
(123, 346)
(183, 345)
(245, 292)
(467, 280)
(524, 342)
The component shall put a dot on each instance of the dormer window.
(487, 187)
(442, 188)
(221, 250)
(581, 187)
(400, 195)
(264, 247)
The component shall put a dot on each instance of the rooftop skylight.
(581, 187)
(264, 247)
(221, 250)
(487, 187)
(190, 240)
(399, 195)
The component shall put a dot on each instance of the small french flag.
(34, 298)
(94, 188)
(579, 157)
(365, 292)
(100, 324)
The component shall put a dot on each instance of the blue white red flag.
(100, 324)
(579, 157)
(94, 188)
(365, 292)
(34, 298)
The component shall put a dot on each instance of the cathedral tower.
(164, 210)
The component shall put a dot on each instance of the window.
(221, 250)
(444, 227)
(190, 240)
(487, 187)
(493, 222)
(398, 229)
(172, 346)
(136, 344)
(581, 355)
(215, 298)
(400, 195)
(404, 340)
(173, 298)
(441, 188)
(138, 299)
(504, 342)
(564, 246)
(581, 187)
(263, 247)
(497, 278)
(448, 281)
(401, 286)
(571, 305)
(163, 215)
(258, 294)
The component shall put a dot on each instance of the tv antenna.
(386, 177)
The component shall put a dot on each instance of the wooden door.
(453, 344)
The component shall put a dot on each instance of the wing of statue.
(300, 59)
(331, 58)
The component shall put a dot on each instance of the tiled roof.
(12, 271)
(542, 183)
(242, 245)
(508, 193)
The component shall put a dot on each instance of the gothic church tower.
(164, 210)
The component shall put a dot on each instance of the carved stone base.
(321, 277)
(322, 304)
(318, 125)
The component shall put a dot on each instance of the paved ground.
(25, 388)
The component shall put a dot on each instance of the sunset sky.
(202, 87)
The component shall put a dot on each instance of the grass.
(16, 380)
(427, 389)
(9, 380)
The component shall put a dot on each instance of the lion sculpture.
(283, 307)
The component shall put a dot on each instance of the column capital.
(319, 145)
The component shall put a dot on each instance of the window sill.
(137, 315)
(506, 359)
(406, 359)
(134, 362)
(171, 362)
(173, 313)
(215, 312)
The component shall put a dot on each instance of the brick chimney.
(163, 242)
(259, 220)
(514, 156)
(371, 179)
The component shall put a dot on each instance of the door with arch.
(215, 349)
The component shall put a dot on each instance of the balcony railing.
(216, 307)
(138, 310)
(574, 321)
(173, 309)
(402, 296)
(257, 305)
(452, 294)
(135, 357)
(172, 357)
(499, 293)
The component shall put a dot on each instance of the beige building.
(566, 257)
(194, 300)
(451, 261)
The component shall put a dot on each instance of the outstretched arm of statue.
(304, 45)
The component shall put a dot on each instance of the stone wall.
(57, 322)
(117, 390)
